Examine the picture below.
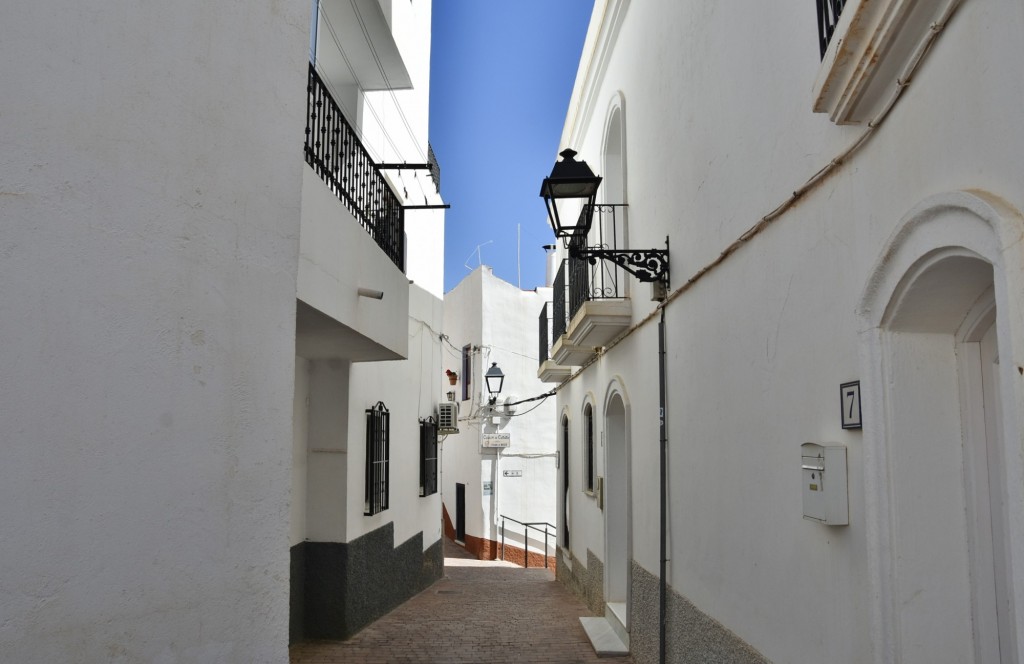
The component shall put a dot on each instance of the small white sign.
(488, 488)
(495, 439)
(512, 473)
(850, 395)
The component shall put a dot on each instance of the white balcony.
(338, 258)
(360, 42)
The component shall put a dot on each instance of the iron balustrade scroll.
(535, 525)
(828, 18)
(337, 155)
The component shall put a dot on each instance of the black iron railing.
(592, 279)
(559, 319)
(543, 334)
(828, 17)
(337, 155)
(535, 525)
(435, 168)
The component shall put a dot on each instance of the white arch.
(956, 225)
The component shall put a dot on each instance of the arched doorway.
(564, 502)
(941, 498)
(617, 509)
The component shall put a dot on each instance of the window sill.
(873, 44)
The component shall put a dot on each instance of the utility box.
(823, 470)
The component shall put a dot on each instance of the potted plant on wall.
(452, 376)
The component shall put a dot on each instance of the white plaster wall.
(150, 204)
(501, 319)
(394, 126)
(757, 348)
(338, 257)
(410, 390)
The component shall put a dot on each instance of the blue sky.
(501, 77)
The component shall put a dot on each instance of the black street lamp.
(494, 379)
(572, 180)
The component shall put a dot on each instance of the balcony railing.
(828, 17)
(544, 334)
(597, 280)
(559, 317)
(337, 155)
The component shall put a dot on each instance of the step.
(603, 637)
(616, 615)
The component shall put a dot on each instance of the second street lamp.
(494, 379)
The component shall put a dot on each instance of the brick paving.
(479, 612)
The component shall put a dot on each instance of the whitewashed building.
(365, 527)
(189, 312)
(499, 470)
(843, 214)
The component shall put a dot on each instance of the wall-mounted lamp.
(573, 182)
(494, 378)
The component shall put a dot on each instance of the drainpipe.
(662, 617)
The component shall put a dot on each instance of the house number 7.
(850, 404)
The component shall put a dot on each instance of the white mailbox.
(823, 470)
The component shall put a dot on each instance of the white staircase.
(608, 633)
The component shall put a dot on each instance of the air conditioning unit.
(447, 417)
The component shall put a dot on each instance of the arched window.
(588, 449)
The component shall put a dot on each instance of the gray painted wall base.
(692, 636)
(339, 588)
(587, 582)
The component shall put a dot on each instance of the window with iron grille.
(467, 370)
(588, 451)
(378, 443)
(428, 456)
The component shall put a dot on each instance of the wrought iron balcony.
(559, 315)
(828, 18)
(590, 279)
(337, 155)
(543, 334)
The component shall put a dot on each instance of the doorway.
(941, 385)
(565, 482)
(460, 513)
(616, 487)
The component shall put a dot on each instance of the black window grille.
(828, 18)
(588, 452)
(467, 370)
(428, 456)
(378, 444)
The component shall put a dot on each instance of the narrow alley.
(480, 611)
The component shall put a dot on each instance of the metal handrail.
(526, 537)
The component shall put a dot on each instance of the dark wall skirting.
(691, 635)
(339, 588)
(587, 583)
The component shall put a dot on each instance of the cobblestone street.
(480, 611)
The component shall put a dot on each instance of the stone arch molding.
(969, 224)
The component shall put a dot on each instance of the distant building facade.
(500, 468)
(843, 210)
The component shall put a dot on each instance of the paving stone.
(480, 611)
